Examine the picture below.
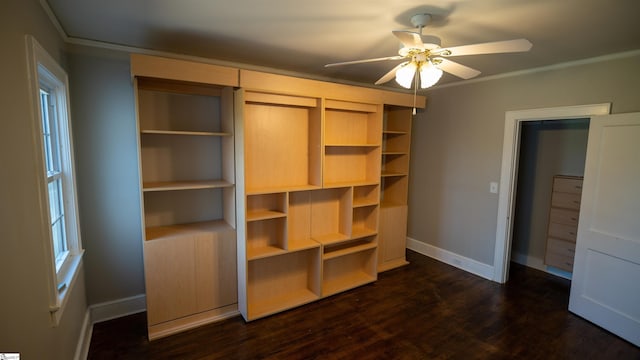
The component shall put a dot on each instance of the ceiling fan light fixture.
(429, 75)
(404, 75)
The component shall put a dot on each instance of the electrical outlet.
(493, 187)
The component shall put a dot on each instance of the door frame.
(509, 171)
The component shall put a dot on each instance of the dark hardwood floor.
(426, 310)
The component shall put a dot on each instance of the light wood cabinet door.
(190, 274)
(169, 270)
(392, 240)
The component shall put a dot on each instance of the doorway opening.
(508, 174)
(549, 150)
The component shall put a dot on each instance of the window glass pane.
(56, 205)
(46, 130)
(59, 242)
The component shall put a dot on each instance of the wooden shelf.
(352, 145)
(362, 232)
(329, 239)
(269, 190)
(346, 281)
(188, 133)
(263, 252)
(394, 132)
(299, 244)
(392, 174)
(171, 231)
(364, 203)
(184, 185)
(264, 215)
(280, 302)
(348, 249)
(394, 153)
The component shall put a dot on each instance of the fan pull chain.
(415, 90)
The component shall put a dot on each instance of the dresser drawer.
(559, 261)
(567, 185)
(565, 200)
(563, 231)
(561, 247)
(563, 216)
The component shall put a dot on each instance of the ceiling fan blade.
(507, 46)
(390, 75)
(397, 57)
(459, 70)
(409, 39)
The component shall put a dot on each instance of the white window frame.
(44, 72)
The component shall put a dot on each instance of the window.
(58, 217)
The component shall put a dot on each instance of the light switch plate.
(493, 187)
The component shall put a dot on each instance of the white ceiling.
(301, 36)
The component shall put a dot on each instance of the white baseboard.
(117, 308)
(84, 340)
(453, 259)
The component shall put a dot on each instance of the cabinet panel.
(281, 147)
(393, 237)
(170, 269)
(215, 253)
(299, 220)
(351, 165)
(351, 128)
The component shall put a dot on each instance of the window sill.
(68, 279)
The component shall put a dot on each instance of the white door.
(606, 276)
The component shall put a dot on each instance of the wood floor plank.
(425, 310)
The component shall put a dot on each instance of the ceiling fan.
(425, 57)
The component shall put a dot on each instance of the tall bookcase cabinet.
(309, 187)
(396, 144)
(263, 192)
(187, 182)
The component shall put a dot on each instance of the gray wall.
(457, 146)
(104, 125)
(546, 149)
(24, 305)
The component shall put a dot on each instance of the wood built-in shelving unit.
(298, 165)
(187, 176)
(396, 144)
(311, 192)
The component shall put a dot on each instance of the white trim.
(117, 308)
(508, 173)
(42, 68)
(461, 262)
(84, 340)
(54, 20)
